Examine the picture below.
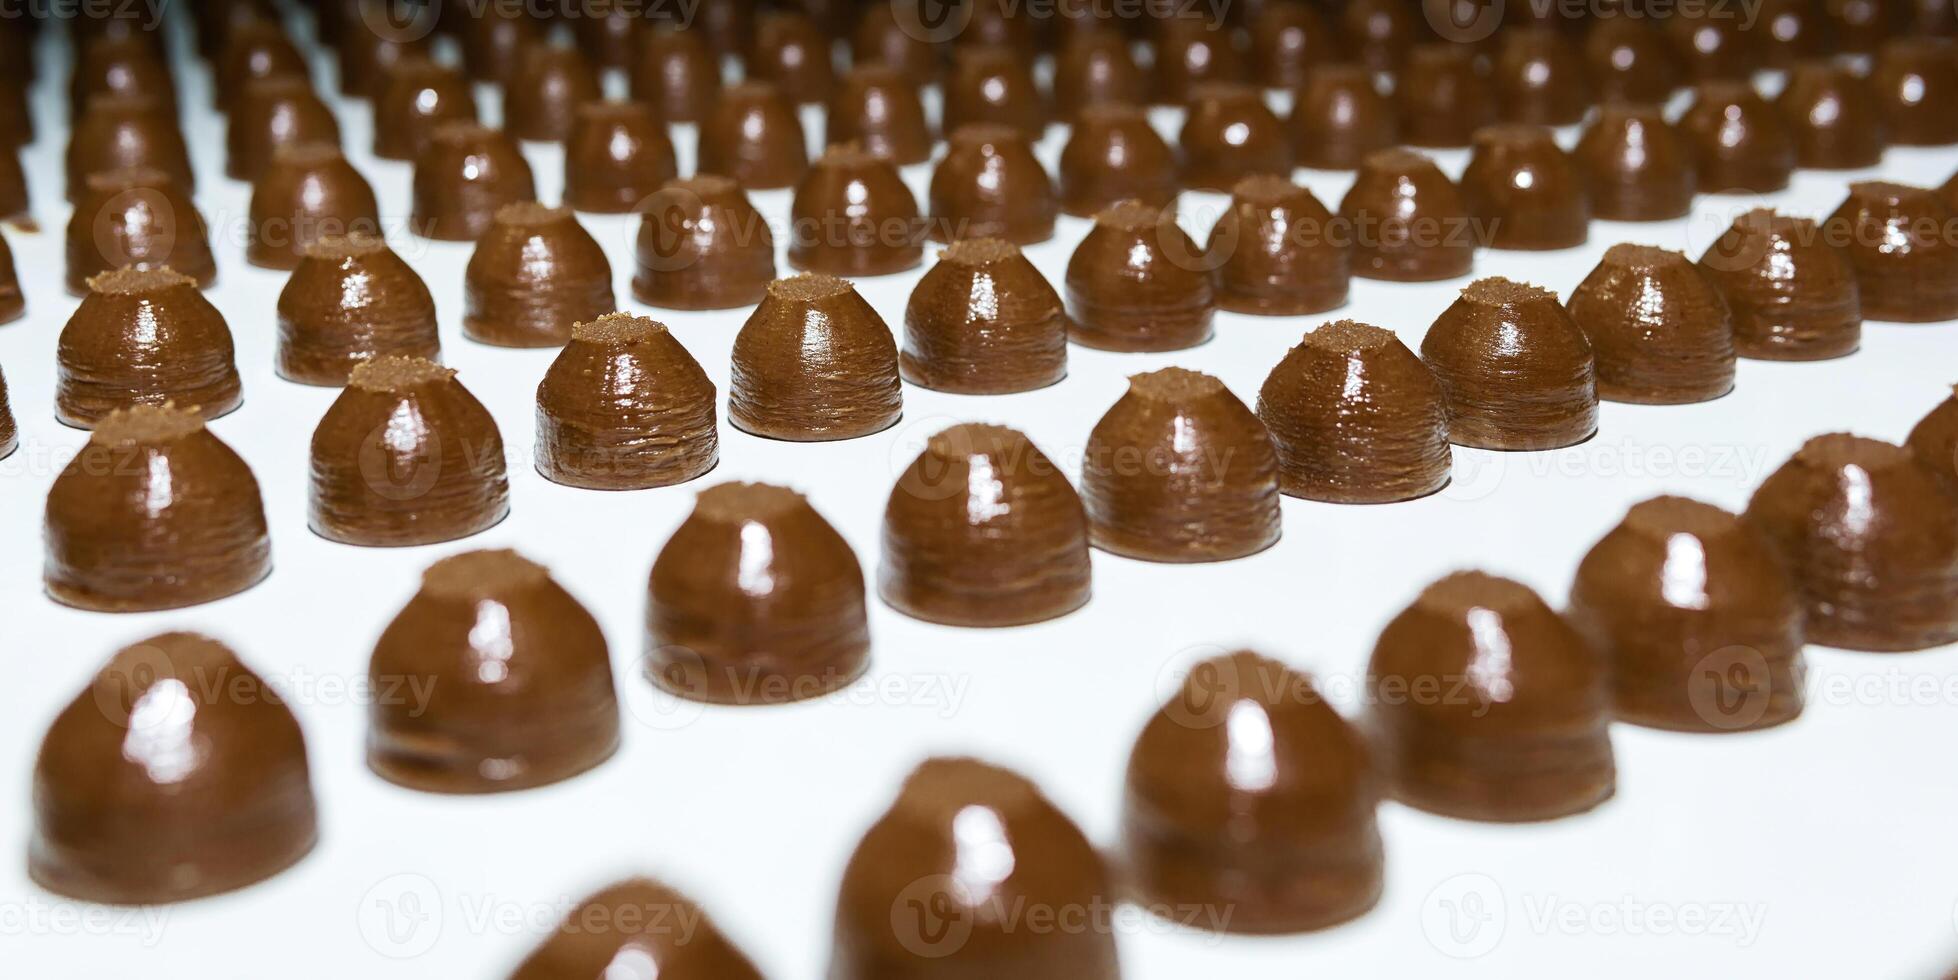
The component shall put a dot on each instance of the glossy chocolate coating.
(368, 58)
(1540, 78)
(1934, 440)
(1229, 134)
(120, 66)
(607, 29)
(1833, 114)
(273, 113)
(13, 305)
(638, 921)
(253, 52)
(755, 600)
(352, 299)
(1250, 801)
(702, 246)
(1288, 38)
(1136, 282)
(753, 135)
(1356, 418)
(990, 185)
(1635, 165)
(1093, 68)
(139, 218)
(1113, 154)
(1339, 118)
(877, 107)
(308, 192)
(534, 273)
(1486, 705)
(1900, 240)
(676, 73)
(494, 41)
(541, 102)
(178, 773)
(1710, 43)
(144, 337)
(1793, 295)
(1630, 60)
(881, 37)
(1791, 30)
(983, 321)
(126, 131)
(515, 677)
(379, 481)
(853, 215)
(790, 51)
(418, 98)
(1518, 372)
(1870, 534)
(1915, 81)
(982, 529)
(1442, 96)
(1408, 220)
(1191, 50)
(1739, 142)
(814, 363)
(467, 173)
(616, 154)
(905, 885)
(1701, 626)
(625, 407)
(1525, 190)
(1660, 331)
(1277, 251)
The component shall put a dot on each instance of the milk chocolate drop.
(380, 480)
(625, 407)
(1525, 189)
(1661, 333)
(983, 321)
(351, 300)
(1792, 294)
(1408, 220)
(144, 337)
(640, 922)
(1934, 440)
(517, 681)
(1916, 86)
(254, 52)
(1870, 534)
(120, 132)
(814, 363)
(1518, 731)
(1190, 51)
(1635, 165)
(1442, 96)
(854, 216)
(1250, 802)
(1898, 239)
(994, 85)
(702, 246)
(495, 40)
(1138, 283)
(877, 107)
(534, 274)
(370, 57)
(468, 172)
(881, 36)
(753, 135)
(982, 529)
(755, 600)
(272, 114)
(138, 218)
(1113, 154)
(1096, 68)
(790, 51)
(1229, 134)
(178, 773)
(1832, 113)
(117, 66)
(617, 153)
(1540, 78)
(541, 102)
(15, 204)
(1277, 251)
(676, 73)
(1517, 370)
(906, 911)
(1630, 60)
(1287, 39)
(1701, 626)
(1356, 418)
(13, 305)
(990, 185)
(1340, 118)
(1738, 141)
(419, 96)
(309, 191)
(607, 30)
(1712, 44)
(1792, 31)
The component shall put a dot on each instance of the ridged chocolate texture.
(1191, 49)
(552, 81)
(12, 304)
(1442, 96)
(905, 907)
(144, 337)
(790, 51)
(308, 192)
(1832, 113)
(120, 66)
(755, 600)
(642, 922)
(879, 36)
(467, 173)
(1339, 118)
(1096, 68)
(983, 321)
(1408, 220)
(702, 246)
(1739, 142)
(990, 84)
(253, 52)
(814, 363)
(877, 107)
(676, 73)
(178, 773)
(982, 529)
(1516, 369)
(625, 407)
(137, 217)
(494, 41)
(1179, 470)
(351, 300)
(1278, 251)
(418, 97)
(1249, 804)
(1660, 331)
(1899, 240)
(616, 155)
(989, 184)
(853, 215)
(368, 57)
(1356, 418)
(1540, 77)
(753, 135)
(1113, 154)
(377, 481)
(1486, 705)
(1635, 165)
(1870, 533)
(1287, 39)
(1630, 60)
(1229, 134)
(1525, 190)
(534, 274)
(9, 432)
(1916, 84)
(1136, 282)
(119, 132)
(1700, 624)
(1792, 294)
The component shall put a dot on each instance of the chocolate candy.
(877, 107)
(351, 300)
(271, 114)
(1277, 251)
(1517, 370)
(753, 135)
(642, 922)
(1630, 60)
(1339, 118)
(515, 681)
(990, 185)
(140, 218)
(676, 73)
(468, 172)
(702, 246)
(1833, 115)
(406, 455)
(120, 132)
(308, 192)
(534, 273)
(789, 50)
(854, 216)
(1113, 154)
(911, 906)
(117, 66)
(1712, 44)
(1934, 441)
(1738, 141)
(253, 52)
(419, 96)
(1095, 68)
(178, 773)
(1540, 78)
(9, 432)
(541, 101)
(369, 56)
(616, 154)
(494, 42)
(814, 363)
(14, 200)
(1916, 85)
(1523, 188)
(982, 529)
(1899, 239)
(1356, 418)
(1792, 31)
(1486, 705)
(1700, 625)
(1660, 331)
(1793, 295)
(1442, 96)
(1137, 283)
(607, 29)
(625, 407)
(144, 337)
(1250, 802)
(1229, 134)
(13, 305)
(880, 37)
(990, 84)
(1635, 165)
(1870, 534)
(1180, 470)
(1287, 39)
(983, 321)
(1192, 50)
(755, 600)
(1408, 220)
